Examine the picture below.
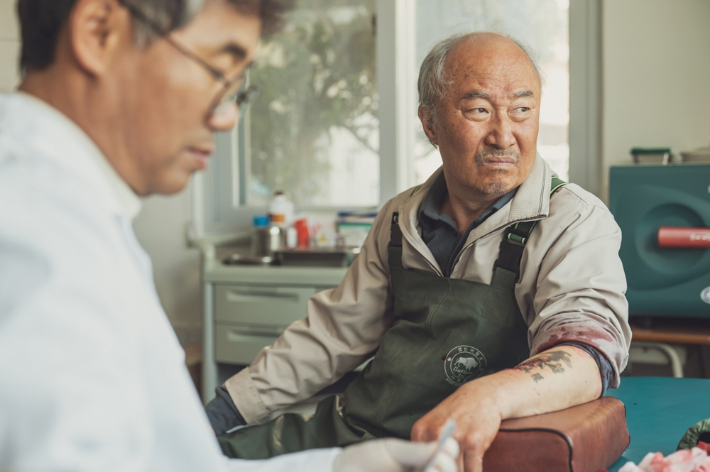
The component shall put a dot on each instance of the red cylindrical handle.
(683, 237)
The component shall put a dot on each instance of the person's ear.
(97, 29)
(427, 119)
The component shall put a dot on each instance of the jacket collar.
(531, 202)
(52, 135)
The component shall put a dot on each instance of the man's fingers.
(473, 460)
(445, 460)
(474, 444)
(425, 430)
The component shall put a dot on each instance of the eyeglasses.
(233, 91)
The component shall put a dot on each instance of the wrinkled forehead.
(491, 60)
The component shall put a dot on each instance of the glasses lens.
(238, 94)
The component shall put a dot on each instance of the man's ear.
(427, 119)
(97, 29)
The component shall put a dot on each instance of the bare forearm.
(558, 378)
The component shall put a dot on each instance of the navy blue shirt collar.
(439, 231)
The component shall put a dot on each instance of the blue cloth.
(441, 236)
(658, 412)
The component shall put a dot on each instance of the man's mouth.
(201, 155)
(500, 161)
(497, 160)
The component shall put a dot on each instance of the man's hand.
(396, 455)
(477, 418)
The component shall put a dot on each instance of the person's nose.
(501, 132)
(224, 118)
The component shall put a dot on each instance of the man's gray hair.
(433, 84)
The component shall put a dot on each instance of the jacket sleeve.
(581, 284)
(342, 328)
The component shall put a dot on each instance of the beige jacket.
(571, 289)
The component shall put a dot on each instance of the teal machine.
(663, 281)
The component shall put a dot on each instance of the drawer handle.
(236, 296)
(237, 335)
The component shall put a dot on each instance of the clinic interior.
(618, 75)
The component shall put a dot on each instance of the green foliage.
(317, 74)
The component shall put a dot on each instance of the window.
(314, 132)
(336, 125)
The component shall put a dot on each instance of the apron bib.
(446, 332)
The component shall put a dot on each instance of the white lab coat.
(92, 377)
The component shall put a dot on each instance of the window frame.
(585, 94)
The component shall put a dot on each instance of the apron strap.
(506, 270)
(557, 183)
(395, 231)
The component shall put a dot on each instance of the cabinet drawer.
(239, 345)
(264, 305)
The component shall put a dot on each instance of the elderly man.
(492, 291)
(119, 98)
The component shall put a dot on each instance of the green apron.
(447, 332)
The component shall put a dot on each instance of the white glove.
(397, 455)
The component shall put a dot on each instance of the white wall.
(656, 77)
(159, 226)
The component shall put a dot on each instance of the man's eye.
(523, 109)
(477, 110)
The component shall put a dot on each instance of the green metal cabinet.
(670, 282)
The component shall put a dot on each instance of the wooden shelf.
(669, 330)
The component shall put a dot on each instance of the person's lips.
(201, 155)
(497, 159)
(500, 161)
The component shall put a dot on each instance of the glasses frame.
(242, 98)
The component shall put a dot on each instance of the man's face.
(164, 98)
(487, 125)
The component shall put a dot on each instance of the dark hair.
(41, 21)
(271, 12)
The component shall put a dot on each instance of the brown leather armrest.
(583, 438)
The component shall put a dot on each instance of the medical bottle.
(281, 211)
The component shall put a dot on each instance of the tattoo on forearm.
(553, 360)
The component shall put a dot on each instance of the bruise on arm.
(554, 361)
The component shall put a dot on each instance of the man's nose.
(224, 117)
(501, 132)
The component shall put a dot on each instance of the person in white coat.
(119, 100)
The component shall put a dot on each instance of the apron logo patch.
(463, 363)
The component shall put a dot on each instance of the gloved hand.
(397, 455)
(697, 432)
